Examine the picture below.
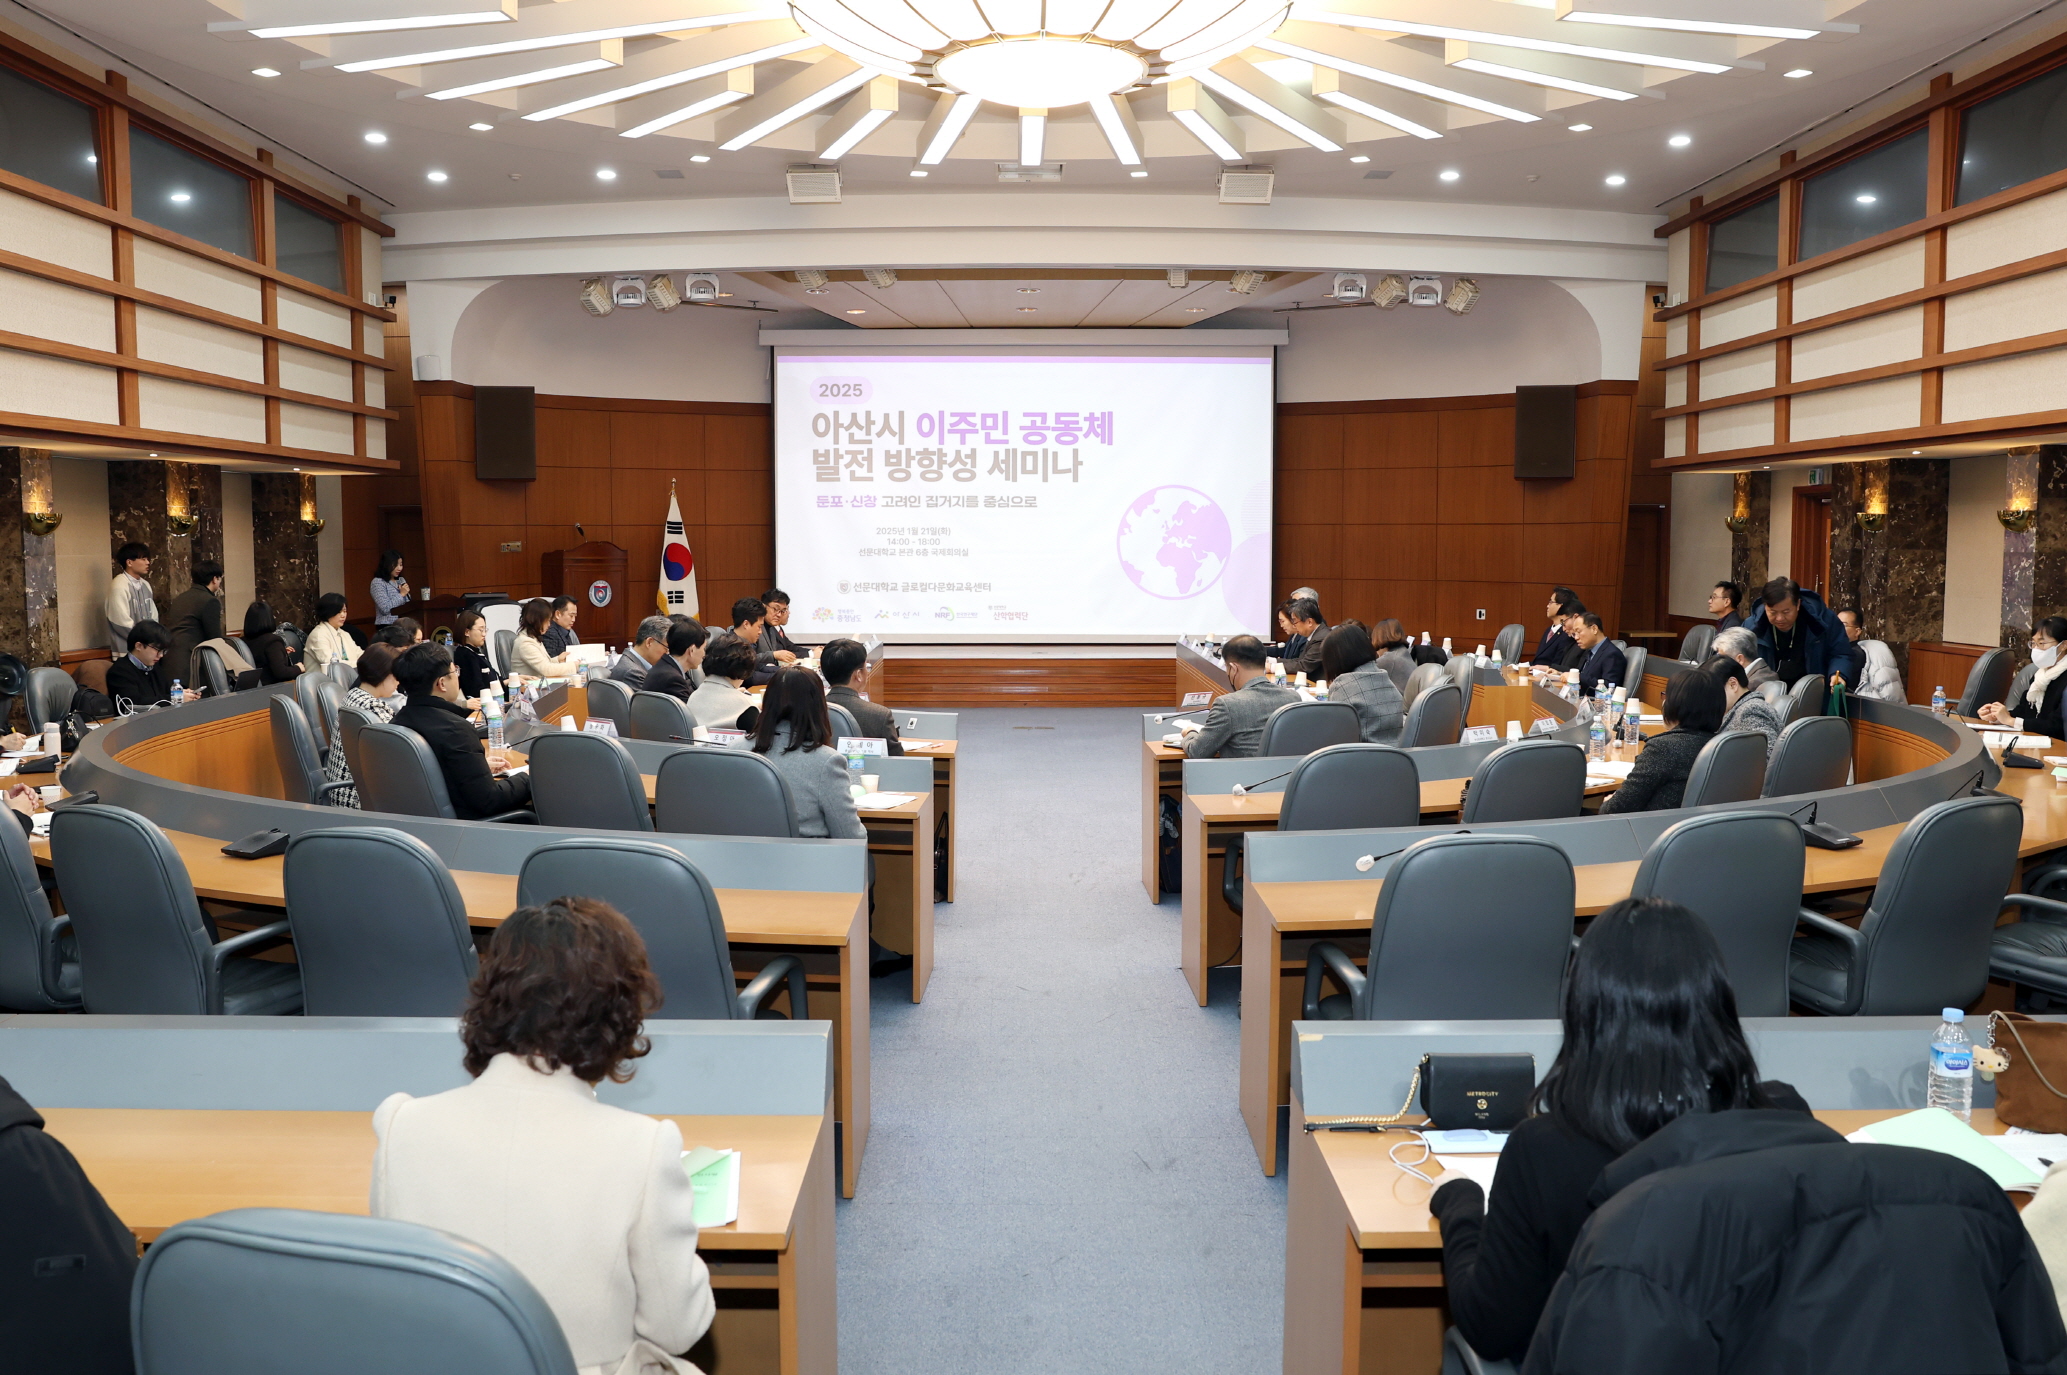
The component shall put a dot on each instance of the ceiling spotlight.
(661, 293)
(605, 174)
(1359, 158)
(1194, 310)
(1448, 174)
(1424, 291)
(1137, 174)
(376, 138)
(701, 288)
(1866, 198)
(1578, 128)
(1678, 141)
(1245, 282)
(264, 71)
(917, 172)
(1463, 296)
(1616, 179)
(1029, 291)
(699, 157)
(628, 292)
(1178, 277)
(1350, 287)
(481, 128)
(1028, 310)
(1912, 453)
(1798, 73)
(880, 277)
(595, 297)
(179, 197)
(1392, 289)
(811, 277)
(434, 176)
(857, 312)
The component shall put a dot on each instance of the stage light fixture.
(628, 293)
(1392, 289)
(1350, 287)
(880, 277)
(811, 278)
(1178, 277)
(1424, 291)
(661, 293)
(1464, 294)
(595, 297)
(1245, 282)
(700, 288)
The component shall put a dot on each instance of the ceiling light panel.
(1262, 95)
(863, 114)
(952, 111)
(900, 22)
(290, 18)
(676, 64)
(469, 79)
(1741, 18)
(1178, 39)
(678, 105)
(1520, 26)
(1187, 103)
(1389, 64)
(1116, 120)
(811, 89)
(1409, 114)
(1033, 137)
(537, 29)
(1528, 75)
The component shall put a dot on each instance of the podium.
(592, 574)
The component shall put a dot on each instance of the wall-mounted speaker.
(1546, 431)
(505, 434)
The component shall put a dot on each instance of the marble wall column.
(283, 546)
(2020, 547)
(1751, 547)
(174, 509)
(28, 569)
(1895, 573)
(2049, 545)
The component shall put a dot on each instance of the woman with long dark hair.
(262, 640)
(796, 735)
(1650, 1034)
(389, 588)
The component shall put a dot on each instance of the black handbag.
(1457, 1092)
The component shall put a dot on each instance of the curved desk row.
(205, 774)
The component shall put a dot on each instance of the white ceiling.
(1076, 298)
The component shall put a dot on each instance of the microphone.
(1364, 862)
(1820, 834)
(1244, 789)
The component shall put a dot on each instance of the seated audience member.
(559, 631)
(474, 781)
(749, 619)
(1798, 635)
(1283, 644)
(276, 663)
(1557, 648)
(845, 666)
(2035, 696)
(1305, 614)
(470, 655)
(1725, 603)
(679, 671)
(1395, 651)
(1878, 678)
(774, 643)
(68, 1260)
(589, 1202)
(1650, 1033)
(648, 647)
(1601, 663)
(1744, 709)
(1429, 654)
(23, 802)
(379, 696)
(796, 736)
(401, 634)
(1741, 645)
(2045, 1218)
(195, 616)
(328, 641)
(1561, 604)
(529, 658)
(1233, 728)
(1354, 676)
(138, 678)
(722, 702)
(1693, 713)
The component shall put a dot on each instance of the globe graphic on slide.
(1174, 542)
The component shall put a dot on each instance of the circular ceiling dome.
(1040, 72)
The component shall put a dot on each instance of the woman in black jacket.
(276, 663)
(1693, 711)
(2040, 691)
(1650, 1033)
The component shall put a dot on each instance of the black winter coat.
(475, 790)
(1758, 1242)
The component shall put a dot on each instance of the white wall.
(329, 544)
(1780, 551)
(238, 570)
(1700, 540)
(1973, 550)
(79, 490)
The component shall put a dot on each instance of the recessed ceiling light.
(1029, 291)
(376, 138)
(482, 128)
(1359, 158)
(918, 172)
(1578, 128)
(857, 312)
(699, 157)
(1914, 452)
(1028, 310)
(1678, 141)
(1194, 310)
(1866, 198)
(1616, 179)
(265, 71)
(179, 198)
(434, 176)
(1799, 72)
(605, 174)
(1449, 174)
(1137, 174)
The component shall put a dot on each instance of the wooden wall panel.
(940, 684)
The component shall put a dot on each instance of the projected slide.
(1061, 496)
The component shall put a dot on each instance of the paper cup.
(872, 782)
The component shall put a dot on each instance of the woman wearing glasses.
(2036, 694)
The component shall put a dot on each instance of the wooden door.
(1809, 558)
(1643, 571)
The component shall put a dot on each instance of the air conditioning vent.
(1246, 186)
(810, 185)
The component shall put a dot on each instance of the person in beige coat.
(589, 1202)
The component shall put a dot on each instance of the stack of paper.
(883, 802)
(714, 1182)
(1934, 1129)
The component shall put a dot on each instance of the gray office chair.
(1806, 697)
(588, 782)
(379, 927)
(1925, 940)
(1533, 780)
(612, 701)
(2031, 953)
(350, 721)
(308, 694)
(1813, 755)
(1300, 728)
(1461, 668)
(1636, 660)
(1436, 718)
(1695, 645)
(1731, 767)
(844, 724)
(145, 944)
(1987, 681)
(500, 644)
(1774, 691)
(657, 716)
(721, 792)
(38, 972)
(1355, 787)
(291, 634)
(294, 750)
(1467, 927)
(1508, 643)
(214, 674)
(49, 696)
(1424, 677)
(243, 652)
(671, 903)
(344, 674)
(1751, 907)
(395, 772)
(255, 1291)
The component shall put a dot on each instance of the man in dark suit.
(844, 662)
(139, 678)
(477, 785)
(194, 617)
(648, 647)
(1556, 644)
(1602, 664)
(775, 642)
(677, 672)
(1310, 630)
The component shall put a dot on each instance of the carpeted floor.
(1057, 1178)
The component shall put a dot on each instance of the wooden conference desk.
(1281, 922)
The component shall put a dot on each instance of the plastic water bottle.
(179, 694)
(491, 711)
(1938, 700)
(1597, 739)
(1952, 1067)
(1632, 729)
(856, 789)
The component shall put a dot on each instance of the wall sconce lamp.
(2017, 519)
(312, 525)
(180, 523)
(1737, 524)
(1872, 522)
(42, 522)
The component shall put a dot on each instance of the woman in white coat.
(1881, 681)
(589, 1202)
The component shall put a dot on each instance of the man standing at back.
(843, 662)
(196, 618)
(1798, 635)
(129, 595)
(1233, 728)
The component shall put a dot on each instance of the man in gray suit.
(649, 642)
(843, 662)
(1233, 729)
